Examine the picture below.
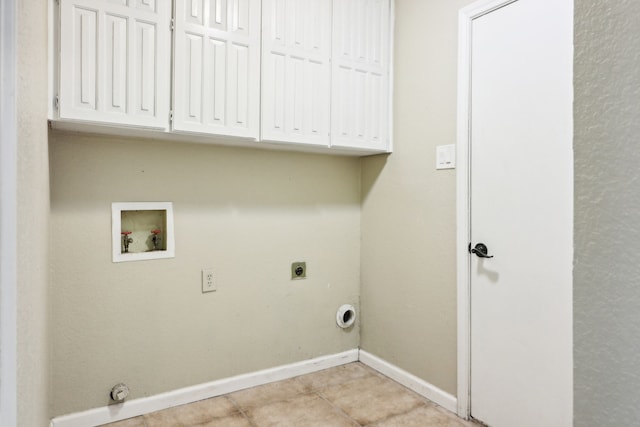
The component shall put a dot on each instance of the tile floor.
(349, 395)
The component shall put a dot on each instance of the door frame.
(463, 184)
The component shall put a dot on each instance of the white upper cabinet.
(115, 61)
(304, 73)
(217, 67)
(296, 71)
(360, 104)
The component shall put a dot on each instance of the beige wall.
(408, 208)
(33, 213)
(247, 214)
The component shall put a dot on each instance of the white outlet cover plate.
(208, 280)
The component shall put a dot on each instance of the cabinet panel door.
(360, 101)
(296, 71)
(114, 61)
(217, 67)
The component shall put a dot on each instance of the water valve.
(119, 392)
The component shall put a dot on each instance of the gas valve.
(119, 392)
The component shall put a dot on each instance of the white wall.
(33, 214)
(408, 208)
(247, 214)
(607, 203)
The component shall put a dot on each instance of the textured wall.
(607, 207)
(33, 214)
(408, 208)
(247, 214)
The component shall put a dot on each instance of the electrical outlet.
(208, 283)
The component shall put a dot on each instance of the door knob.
(480, 250)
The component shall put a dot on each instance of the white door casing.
(515, 194)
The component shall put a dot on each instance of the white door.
(521, 208)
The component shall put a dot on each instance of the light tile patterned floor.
(352, 395)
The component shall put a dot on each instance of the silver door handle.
(480, 250)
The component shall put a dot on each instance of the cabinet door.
(217, 67)
(296, 72)
(115, 61)
(360, 93)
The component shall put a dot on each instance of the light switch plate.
(446, 156)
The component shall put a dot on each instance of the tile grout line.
(317, 390)
(373, 373)
(337, 408)
(387, 418)
(240, 410)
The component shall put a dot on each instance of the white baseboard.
(410, 381)
(136, 407)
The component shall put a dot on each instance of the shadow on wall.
(372, 167)
(195, 175)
